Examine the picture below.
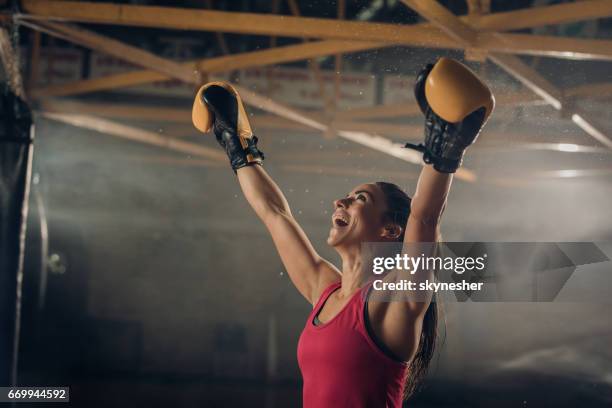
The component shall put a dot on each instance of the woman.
(355, 351)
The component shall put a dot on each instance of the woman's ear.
(392, 231)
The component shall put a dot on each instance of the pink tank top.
(340, 363)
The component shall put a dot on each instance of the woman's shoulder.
(328, 281)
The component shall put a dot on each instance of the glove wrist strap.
(441, 164)
(241, 156)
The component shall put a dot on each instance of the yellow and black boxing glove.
(218, 106)
(456, 105)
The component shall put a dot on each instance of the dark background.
(162, 288)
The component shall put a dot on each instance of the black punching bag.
(16, 133)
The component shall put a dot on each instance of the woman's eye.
(361, 197)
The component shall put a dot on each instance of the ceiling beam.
(521, 98)
(165, 114)
(224, 63)
(176, 118)
(118, 110)
(341, 15)
(250, 23)
(260, 102)
(219, 35)
(136, 55)
(33, 67)
(530, 78)
(392, 110)
(119, 49)
(546, 46)
(135, 134)
(593, 90)
(541, 16)
(185, 71)
(240, 23)
(312, 63)
(352, 132)
(421, 35)
(461, 32)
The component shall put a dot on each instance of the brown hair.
(398, 211)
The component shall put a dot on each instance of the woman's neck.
(352, 271)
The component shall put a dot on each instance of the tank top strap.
(365, 291)
(324, 296)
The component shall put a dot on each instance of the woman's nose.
(341, 203)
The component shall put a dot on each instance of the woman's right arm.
(308, 271)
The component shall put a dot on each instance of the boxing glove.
(456, 105)
(218, 106)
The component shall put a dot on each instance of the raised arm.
(456, 105)
(218, 106)
(307, 270)
(428, 203)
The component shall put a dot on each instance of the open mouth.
(340, 220)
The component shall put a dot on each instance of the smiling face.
(360, 217)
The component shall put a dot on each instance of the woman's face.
(358, 217)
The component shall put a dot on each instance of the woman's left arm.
(446, 139)
(398, 323)
(428, 204)
(421, 233)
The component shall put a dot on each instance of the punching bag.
(16, 135)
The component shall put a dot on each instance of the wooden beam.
(445, 21)
(593, 90)
(135, 134)
(237, 61)
(312, 63)
(341, 11)
(408, 133)
(275, 6)
(125, 52)
(546, 46)
(351, 118)
(423, 35)
(219, 35)
(34, 60)
(494, 142)
(155, 113)
(397, 150)
(476, 8)
(271, 86)
(241, 23)
(130, 53)
(179, 120)
(379, 112)
(266, 104)
(118, 111)
(440, 16)
(55, 110)
(411, 108)
(530, 78)
(249, 23)
(541, 16)
(226, 63)
(587, 122)
(120, 50)
(178, 115)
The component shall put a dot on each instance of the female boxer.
(355, 351)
